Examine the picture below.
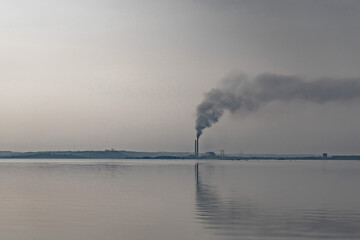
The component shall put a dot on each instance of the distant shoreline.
(113, 154)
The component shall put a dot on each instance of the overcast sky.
(100, 74)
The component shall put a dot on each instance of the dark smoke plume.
(241, 94)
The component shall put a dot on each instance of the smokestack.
(197, 147)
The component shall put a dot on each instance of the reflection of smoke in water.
(241, 216)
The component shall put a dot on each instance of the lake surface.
(171, 199)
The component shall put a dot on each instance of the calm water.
(136, 199)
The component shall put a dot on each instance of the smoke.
(241, 94)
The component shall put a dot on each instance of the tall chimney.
(197, 147)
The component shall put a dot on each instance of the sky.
(94, 75)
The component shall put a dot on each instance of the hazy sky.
(96, 74)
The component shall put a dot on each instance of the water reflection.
(238, 216)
